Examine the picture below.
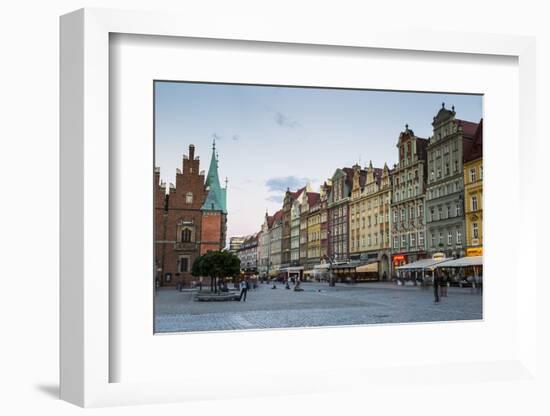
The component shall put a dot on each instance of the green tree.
(216, 265)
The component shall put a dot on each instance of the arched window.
(189, 198)
(186, 235)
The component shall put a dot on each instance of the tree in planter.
(216, 265)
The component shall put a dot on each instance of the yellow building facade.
(313, 230)
(369, 223)
(473, 204)
(473, 195)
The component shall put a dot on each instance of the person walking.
(437, 280)
(244, 288)
(444, 283)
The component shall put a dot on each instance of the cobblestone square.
(318, 305)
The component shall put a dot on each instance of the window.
(432, 214)
(458, 210)
(473, 175)
(411, 212)
(189, 198)
(394, 215)
(439, 213)
(183, 264)
(448, 211)
(186, 235)
(395, 242)
(433, 240)
(375, 239)
(403, 241)
(413, 240)
(458, 237)
(474, 202)
(440, 238)
(450, 238)
(421, 239)
(475, 230)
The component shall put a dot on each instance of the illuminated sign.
(398, 258)
(438, 256)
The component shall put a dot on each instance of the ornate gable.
(443, 116)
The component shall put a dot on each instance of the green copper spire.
(216, 198)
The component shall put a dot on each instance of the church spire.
(216, 198)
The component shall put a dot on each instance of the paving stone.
(317, 305)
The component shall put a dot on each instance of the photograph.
(297, 207)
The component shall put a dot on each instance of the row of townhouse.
(429, 202)
(247, 252)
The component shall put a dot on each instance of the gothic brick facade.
(189, 220)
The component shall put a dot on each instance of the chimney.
(191, 151)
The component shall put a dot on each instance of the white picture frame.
(87, 305)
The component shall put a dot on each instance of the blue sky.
(269, 138)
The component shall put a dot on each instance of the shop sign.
(398, 257)
(474, 251)
(438, 256)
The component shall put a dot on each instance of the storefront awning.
(295, 269)
(367, 268)
(463, 262)
(424, 264)
(346, 265)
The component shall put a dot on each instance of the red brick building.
(189, 220)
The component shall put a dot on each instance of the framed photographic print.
(380, 237)
(325, 205)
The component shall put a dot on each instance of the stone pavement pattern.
(317, 305)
